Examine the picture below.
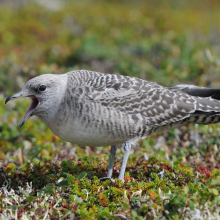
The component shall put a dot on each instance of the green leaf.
(192, 204)
(144, 208)
(196, 180)
(14, 207)
(217, 199)
(63, 183)
(134, 214)
(152, 159)
(68, 212)
(216, 173)
(190, 185)
(31, 199)
(186, 189)
(126, 206)
(213, 191)
(134, 199)
(165, 190)
(81, 175)
(25, 193)
(50, 189)
(215, 181)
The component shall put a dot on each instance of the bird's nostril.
(15, 96)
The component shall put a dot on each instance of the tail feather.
(198, 91)
(207, 103)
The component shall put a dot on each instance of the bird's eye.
(42, 88)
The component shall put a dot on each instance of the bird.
(93, 109)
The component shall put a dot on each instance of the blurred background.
(165, 41)
(169, 42)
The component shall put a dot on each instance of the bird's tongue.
(32, 107)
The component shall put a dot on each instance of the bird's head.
(45, 92)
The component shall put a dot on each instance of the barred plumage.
(129, 109)
(91, 108)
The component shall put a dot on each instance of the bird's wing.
(158, 105)
(144, 103)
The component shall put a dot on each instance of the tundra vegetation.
(170, 175)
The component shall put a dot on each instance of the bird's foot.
(107, 178)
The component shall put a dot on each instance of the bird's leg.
(127, 149)
(111, 162)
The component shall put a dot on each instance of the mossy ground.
(170, 175)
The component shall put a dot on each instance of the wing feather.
(157, 104)
(147, 103)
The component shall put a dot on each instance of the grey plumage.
(130, 109)
(90, 108)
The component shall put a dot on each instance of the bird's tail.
(207, 104)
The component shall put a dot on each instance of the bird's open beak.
(34, 103)
(15, 96)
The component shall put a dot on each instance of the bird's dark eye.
(42, 88)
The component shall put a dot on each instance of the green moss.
(171, 172)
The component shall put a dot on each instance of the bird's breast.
(85, 134)
(95, 125)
